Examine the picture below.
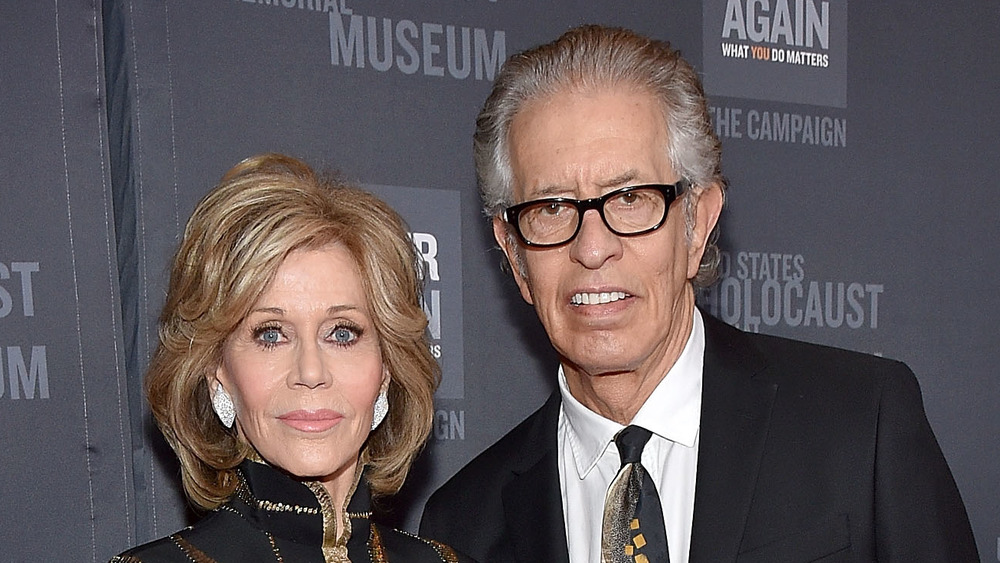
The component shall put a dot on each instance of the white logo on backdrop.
(779, 126)
(24, 371)
(776, 34)
(758, 289)
(381, 43)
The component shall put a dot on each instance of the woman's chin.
(323, 470)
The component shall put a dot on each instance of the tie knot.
(630, 442)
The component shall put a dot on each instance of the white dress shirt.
(589, 460)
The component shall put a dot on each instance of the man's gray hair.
(589, 58)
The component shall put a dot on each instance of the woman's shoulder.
(163, 550)
(219, 537)
(188, 544)
(402, 547)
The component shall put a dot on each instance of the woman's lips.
(311, 421)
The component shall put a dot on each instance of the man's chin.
(599, 363)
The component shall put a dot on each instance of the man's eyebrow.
(623, 178)
(551, 191)
(613, 182)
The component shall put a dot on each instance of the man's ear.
(706, 215)
(507, 245)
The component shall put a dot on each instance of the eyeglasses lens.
(628, 212)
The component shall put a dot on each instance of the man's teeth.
(596, 298)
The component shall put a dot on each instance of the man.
(597, 161)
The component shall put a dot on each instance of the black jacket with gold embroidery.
(272, 517)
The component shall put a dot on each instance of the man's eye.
(553, 209)
(632, 199)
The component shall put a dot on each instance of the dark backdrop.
(863, 211)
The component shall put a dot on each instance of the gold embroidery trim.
(274, 548)
(282, 507)
(334, 545)
(250, 501)
(376, 552)
(244, 494)
(192, 552)
(446, 553)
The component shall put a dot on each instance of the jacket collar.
(301, 512)
(736, 413)
(531, 499)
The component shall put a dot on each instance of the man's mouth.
(597, 298)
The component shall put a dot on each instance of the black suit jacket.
(806, 453)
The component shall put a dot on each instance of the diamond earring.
(381, 409)
(223, 405)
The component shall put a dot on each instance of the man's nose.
(595, 244)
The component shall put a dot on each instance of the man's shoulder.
(531, 436)
(785, 357)
(469, 511)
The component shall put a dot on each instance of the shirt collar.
(672, 411)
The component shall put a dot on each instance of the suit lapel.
(532, 499)
(736, 411)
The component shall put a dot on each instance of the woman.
(293, 374)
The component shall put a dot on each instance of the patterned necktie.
(633, 529)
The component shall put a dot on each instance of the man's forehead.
(590, 90)
(568, 111)
(606, 182)
(560, 146)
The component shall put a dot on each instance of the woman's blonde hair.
(264, 208)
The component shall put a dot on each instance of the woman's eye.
(268, 335)
(343, 335)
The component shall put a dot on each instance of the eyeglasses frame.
(670, 194)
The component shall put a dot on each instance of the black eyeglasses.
(629, 211)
